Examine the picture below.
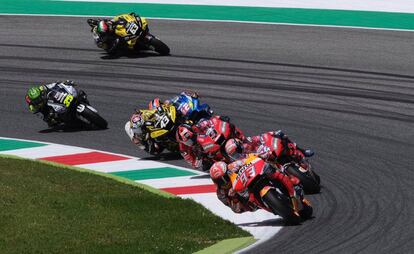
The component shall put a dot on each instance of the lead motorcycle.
(134, 33)
(252, 183)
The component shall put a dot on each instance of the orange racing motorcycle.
(251, 181)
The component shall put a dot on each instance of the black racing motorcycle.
(73, 109)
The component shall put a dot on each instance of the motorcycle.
(252, 183)
(134, 31)
(76, 109)
(161, 130)
(190, 107)
(213, 140)
(297, 165)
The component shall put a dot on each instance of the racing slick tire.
(282, 206)
(159, 46)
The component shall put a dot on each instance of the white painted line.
(224, 21)
(261, 224)
(46, 151)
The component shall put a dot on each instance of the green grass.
(49, 209)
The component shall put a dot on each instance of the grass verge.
(46, 208)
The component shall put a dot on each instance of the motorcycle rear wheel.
(309, 180)
(282, 206)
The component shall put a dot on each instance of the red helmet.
(155, 103)
(234, 149)
(218, 173)
(186, 135)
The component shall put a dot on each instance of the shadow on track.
(71, 128)
(130, 54)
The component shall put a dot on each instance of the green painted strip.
(228, 246)
(11, 144)
(250, 14)
(153, 173)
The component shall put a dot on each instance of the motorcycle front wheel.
(282, 206)
(309, 179)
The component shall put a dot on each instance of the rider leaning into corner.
(156, 102)
(104, 32)
(275, 145)
(219, 173)
(37, 98)
(195, 141)
(136, 129)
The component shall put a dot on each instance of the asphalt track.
(347, 93)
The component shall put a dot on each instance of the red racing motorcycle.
(214, 135)
(292, 161)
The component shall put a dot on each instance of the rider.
(184, 103)
(37, 98)
(104, 32)
(201, 144)
(275, 146)
(137, 130)
(156, 102)
(234, 150)
(225, 192)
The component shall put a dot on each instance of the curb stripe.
(182, 182)
(125, 165)
(84, 158)
(198, 189)
(46, 151)
(153, 173)
(10, 144)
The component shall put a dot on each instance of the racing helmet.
(35, 98)
(136, 122)
(234, 149)
(102, 27)
(155, 103)
(218, 173)
(186, 135)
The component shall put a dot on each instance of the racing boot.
(307, 210)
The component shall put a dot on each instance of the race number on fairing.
(133, 28)
(245, 174)
(163, 122)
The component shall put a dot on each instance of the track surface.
(347, 93)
